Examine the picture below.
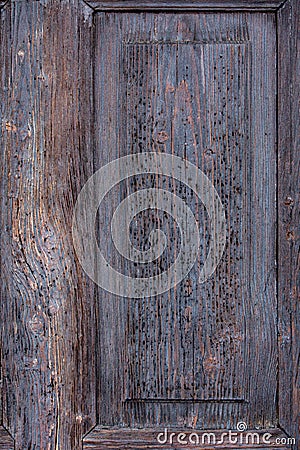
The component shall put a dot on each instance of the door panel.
(202, 87)
(206, 83)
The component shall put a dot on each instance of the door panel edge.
(288, 217)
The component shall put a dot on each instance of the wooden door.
(149, 224)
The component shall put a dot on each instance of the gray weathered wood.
(288, 215)
(48, 331)
(6, 441)
(177, 5)
(81, 89)
(184, 84)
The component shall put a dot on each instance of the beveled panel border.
(178, 5)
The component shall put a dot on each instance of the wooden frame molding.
(288, 218)
(287, 13)
(177, 5)
(124, 438)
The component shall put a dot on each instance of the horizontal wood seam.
(183, 400)
(241, 42)
(182, 11)
(174, 8)
(121, 6)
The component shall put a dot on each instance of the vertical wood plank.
(49, 330)
(288, 219)
(6, 441)
(261, 318)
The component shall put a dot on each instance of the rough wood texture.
(6, 441)
(47, 302)
(199, 85)
(199, 355)
(117, 439)
(288, 213)
(178, 5)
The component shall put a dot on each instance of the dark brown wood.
(47, 309)
(179, 5)
(288, 214)
(124, 438)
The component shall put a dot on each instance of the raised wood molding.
(101, 438)
(152, 5)
(6, 441)
(288, 218)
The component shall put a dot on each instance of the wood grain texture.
(200, 355)
(177, 5)
(288, 214)
(48, 332)
(166, 338)
(6, 441)
(117, 439)
(202, 86)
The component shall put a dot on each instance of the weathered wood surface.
(202, 356)
(6, 441)
(288, 214)
(48, 331)
(177, 5)
(117, 439)
(183, 84)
